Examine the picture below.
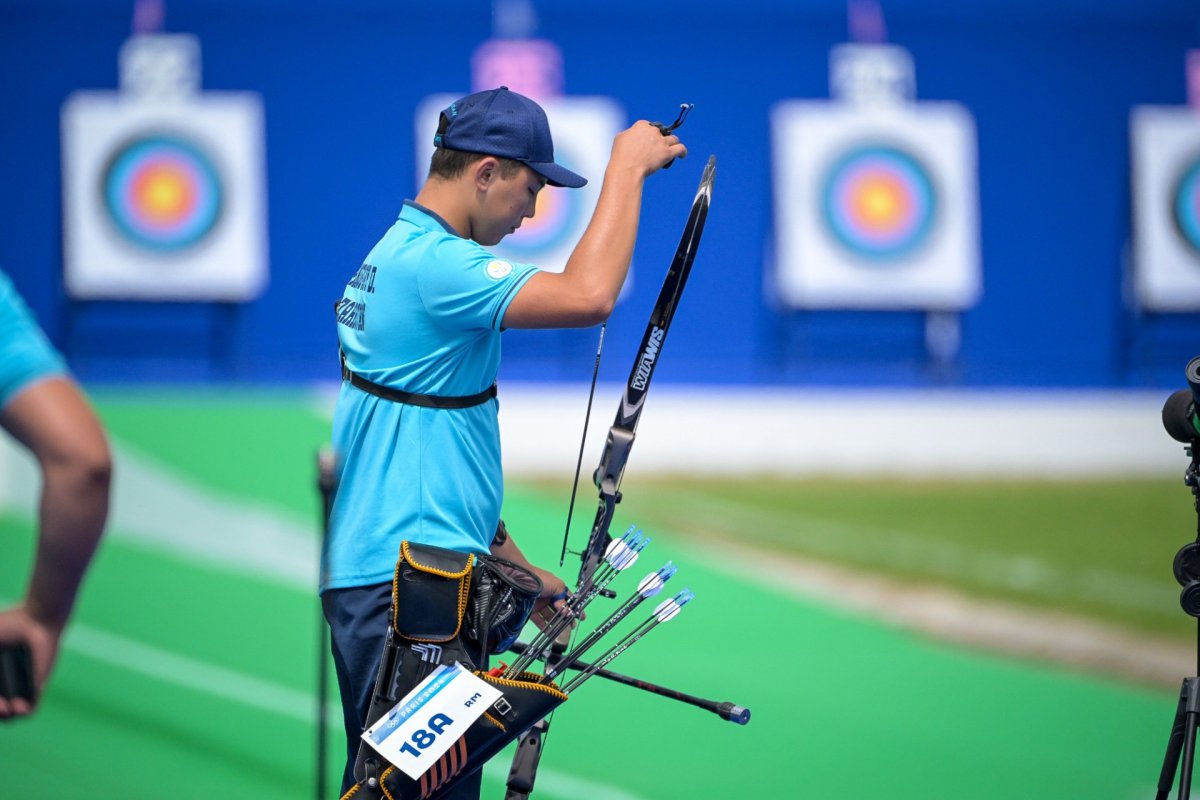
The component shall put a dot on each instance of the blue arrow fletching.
(667, 610)
(651, 585)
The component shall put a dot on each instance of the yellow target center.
(164, 194)
(880, 204)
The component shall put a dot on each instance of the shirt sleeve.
(26, 355)
(464, 286)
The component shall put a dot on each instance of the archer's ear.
(484, 171)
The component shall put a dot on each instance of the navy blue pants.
(358, 620)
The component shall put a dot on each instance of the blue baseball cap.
(500, 122)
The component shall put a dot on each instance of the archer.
(415, 427)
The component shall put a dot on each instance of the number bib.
(430, 719)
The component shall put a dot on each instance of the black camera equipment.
(1182, 422)
(1179, 413)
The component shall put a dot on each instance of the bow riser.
(608, 474)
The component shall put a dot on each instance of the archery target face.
(162, 192)
(1165, 143)
(1185, 205)
(875, 208)
(878, 202)
(583, 129)
(164, 199)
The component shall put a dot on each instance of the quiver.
(452, 607)
(525, 701)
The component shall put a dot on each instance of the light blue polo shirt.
(26, 355)
(423, 315)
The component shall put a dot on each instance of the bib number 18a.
(422, 739)
(419, 729)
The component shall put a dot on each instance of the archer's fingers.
(14, 707)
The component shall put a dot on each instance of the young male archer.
(415, 427)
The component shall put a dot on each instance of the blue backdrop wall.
(1050, 85)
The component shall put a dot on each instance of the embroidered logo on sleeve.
(498, 269)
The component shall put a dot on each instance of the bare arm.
(54, 421)
(585, 291)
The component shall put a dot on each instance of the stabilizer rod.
(729, 711)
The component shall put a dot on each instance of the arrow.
(666, 611)
(651, 585)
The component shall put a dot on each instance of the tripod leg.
(1189, 750)
(1191, 714)
(1181, 742)
(1167, 777)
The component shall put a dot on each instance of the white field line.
(792, 432)
(237, 687)
(236, 536)
(156, 509)
(259, 542)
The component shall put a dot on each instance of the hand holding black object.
(667, 130)
(16, 672)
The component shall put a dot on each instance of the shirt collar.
(433, 215)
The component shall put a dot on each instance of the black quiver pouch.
(452, 607)
(525, 701)
(502, 598)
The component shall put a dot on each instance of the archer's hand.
(643, 148)
(554, 592)
(552, 599)
(18, 625)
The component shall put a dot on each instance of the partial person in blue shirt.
(423, 315)
(45, 411)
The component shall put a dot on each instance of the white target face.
(875, 208)
(1165, 143)
(164, 199)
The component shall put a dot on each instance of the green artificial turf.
(1100, 548)
(187, 677)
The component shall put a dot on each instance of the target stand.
(164, 207)
(876, 209)
(196, 340)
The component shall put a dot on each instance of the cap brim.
(556, 175)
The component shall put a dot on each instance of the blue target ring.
(162, 192)
(879, 202)
(1185, 205)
